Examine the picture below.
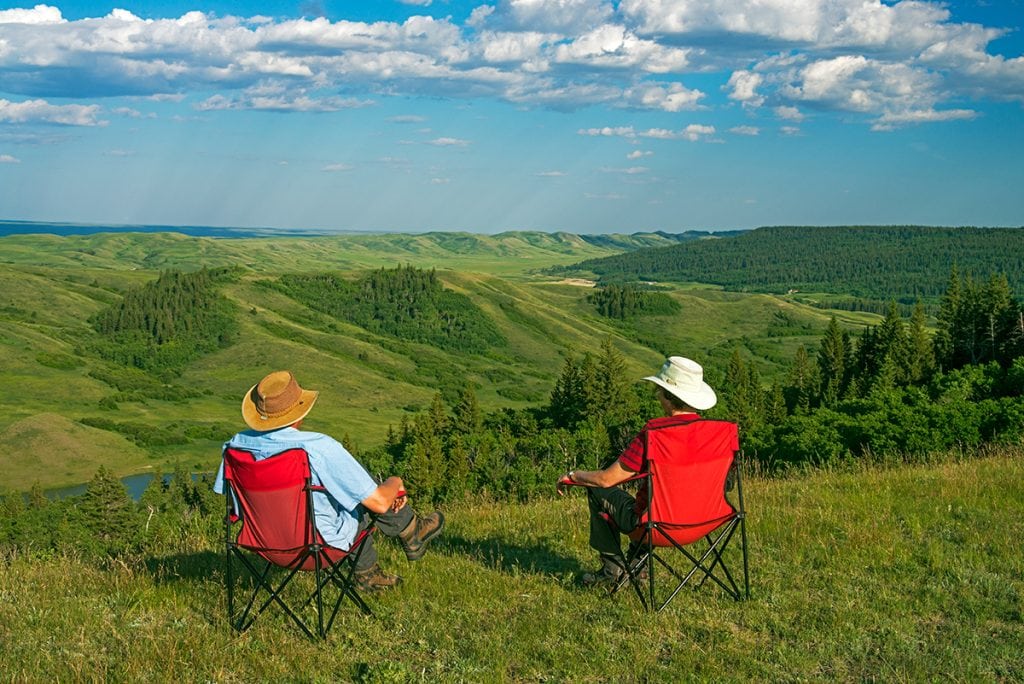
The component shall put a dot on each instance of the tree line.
(406, 303)
(622, 302)
(893, 390)
(166, 323)
(904, 263)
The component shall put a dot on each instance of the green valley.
(54, 286)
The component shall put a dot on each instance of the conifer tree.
(921, 354)
(577, 392)
(1000, 315)
(614, 396)
(109, 512)
(802, 384)
(949, 348)
(424, 459)
(37, 498)
(741, 390)
(458, 469)
(775, 405)
(437, 415)
(467, 419)
(833, 363)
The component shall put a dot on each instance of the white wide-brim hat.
(684, 378)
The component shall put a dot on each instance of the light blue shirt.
(336, 511)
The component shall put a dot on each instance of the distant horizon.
(10, 227)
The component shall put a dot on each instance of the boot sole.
(418, 553)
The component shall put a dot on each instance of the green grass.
(900, 574)
(504, 254)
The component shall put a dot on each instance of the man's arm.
(382, 499)
(609, 477)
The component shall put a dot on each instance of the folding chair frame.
(327, 571)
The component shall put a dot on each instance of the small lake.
(135, 484)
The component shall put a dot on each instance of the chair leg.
(746, 567)
(229, 579)
(628, 575)
(274, 594)
(319, 592)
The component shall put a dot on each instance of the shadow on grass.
(199, 566)
(497, 553)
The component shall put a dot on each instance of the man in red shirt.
(681, 393)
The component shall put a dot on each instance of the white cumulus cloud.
(40, 14)
(448, 142)
(41, 111)
(891, 63)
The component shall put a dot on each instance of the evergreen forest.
(627, 301)
(406, 303)
(902, 263)
(164, 324)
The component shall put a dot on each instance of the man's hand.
(563, 482)
(383, 499)
(400, 500)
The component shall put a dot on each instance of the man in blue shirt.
(274, 408)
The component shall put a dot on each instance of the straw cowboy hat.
(685, 379)
(276, 401)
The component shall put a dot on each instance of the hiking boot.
(418, 534)
(375, 579)
(607, 575)
(610, 573)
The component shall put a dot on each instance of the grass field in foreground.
(909, 574)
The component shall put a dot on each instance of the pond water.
(135, 484)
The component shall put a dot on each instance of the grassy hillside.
(51, 286)
(912, 574)
(504, 253)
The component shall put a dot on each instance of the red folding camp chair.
(689, 468)
(274, 499)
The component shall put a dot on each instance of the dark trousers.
(618, 505)
(389, 524)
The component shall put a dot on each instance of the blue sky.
(587, 116)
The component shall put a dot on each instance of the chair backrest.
(689, 464)
(273, 494)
